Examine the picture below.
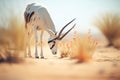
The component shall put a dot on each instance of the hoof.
(37, 57)
(42, 57)
(54, 53)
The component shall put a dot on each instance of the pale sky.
(62, 11)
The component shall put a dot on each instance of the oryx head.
(59, 36)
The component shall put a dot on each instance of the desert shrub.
(80, 48)
(109, 25)
(11, 40)
(9, 56)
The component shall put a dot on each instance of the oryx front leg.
(28, 51)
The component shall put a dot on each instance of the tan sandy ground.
(105, 65)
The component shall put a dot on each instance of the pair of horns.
(59, 37)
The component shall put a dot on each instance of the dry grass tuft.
(10, 57)
(11, 40)
(80, 48)
(109, 25)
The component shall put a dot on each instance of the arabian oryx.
(37, 19)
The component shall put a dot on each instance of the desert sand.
(105, 65)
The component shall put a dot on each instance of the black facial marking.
(52, 45)
(31, 15)
(28, 16)
(27, 19)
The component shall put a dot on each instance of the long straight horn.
(58, 37)
(65, 27)
(52, 40)
(67, 32)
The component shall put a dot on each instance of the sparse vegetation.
(11, 40)
(109, 25)
(80, 48)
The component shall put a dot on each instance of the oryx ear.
(30, 15)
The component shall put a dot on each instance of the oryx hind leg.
(41, 46)
(29, 51)
(25, 51)
(36, 51)
(36, 44)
